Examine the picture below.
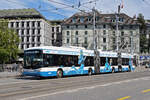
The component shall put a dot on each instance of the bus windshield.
(33, 59)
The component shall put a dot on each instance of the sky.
(61, 9)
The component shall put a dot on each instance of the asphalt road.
(117, 86)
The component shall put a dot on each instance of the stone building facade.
(56, 32)
(78, 31)
(32, 28)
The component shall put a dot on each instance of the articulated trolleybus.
(49, 61)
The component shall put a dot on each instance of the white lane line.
(90, 87)
(17, 82)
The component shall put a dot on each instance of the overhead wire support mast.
(118, 41)
(96, 52)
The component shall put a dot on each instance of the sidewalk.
(141, 69)
(9, 74)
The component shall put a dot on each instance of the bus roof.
(76, 51)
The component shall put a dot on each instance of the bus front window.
(33, 60)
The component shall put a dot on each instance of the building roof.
(20, 13)
(55, 22)
(102, 18)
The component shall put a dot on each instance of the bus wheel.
(113, 70)
(120, 69)
(90, 72)
(129, 69)
(59, 73)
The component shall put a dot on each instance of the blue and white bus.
(49, 61)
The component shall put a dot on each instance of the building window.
(104, 26)
(104, 32)
(86, 32)
(38, 31)
(85, 26)
(53, 35)
(67, 40)
(114, 40)
(17, 24)
(28, 31)
(122, 40)
(85, 40)
(38, 44)
(114, 33)
(104, 40)
(131, 26)
(33, 31)
(32, 39)
(22, 46)
(121, 19)
(104, 47)
(22, 24)
(89, 19)
(122, 27)
(131, 33)
(68, 33)
(11, 24)
(17, 31)
(38, 23)
(22, 32)
(52, 29)
(33, 24)
(82, 19)
(22, 39)
(27, 38)
(38, 39)
(76, 26)
(76, 32)
(122, 33)
(57, 29)
(28, 24)
(33, 45)
(77, 41)
(74, 20)
(68, 27)
(27, 45)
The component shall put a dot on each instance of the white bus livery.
(49, 61)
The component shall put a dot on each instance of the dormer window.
(120, 19)
(81, 19)
(97, 18)
(90, 19)
(74, 20)
(113, 20)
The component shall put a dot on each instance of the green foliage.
(143, 39)
(142, 22)
(143, 44)
(9, 41)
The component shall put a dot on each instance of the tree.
(143, 28)
(9, 41)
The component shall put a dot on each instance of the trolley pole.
(95, 39)
(117, 32)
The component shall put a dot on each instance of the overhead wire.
(16, 3)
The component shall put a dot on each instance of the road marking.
(124, 98)
(87, 87)
(144, 91)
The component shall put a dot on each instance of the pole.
(117, 32)
(96, 52)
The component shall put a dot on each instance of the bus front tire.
(129, 69)
(90, 72)
(59, 73)
(120, 69)
(113, 70)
